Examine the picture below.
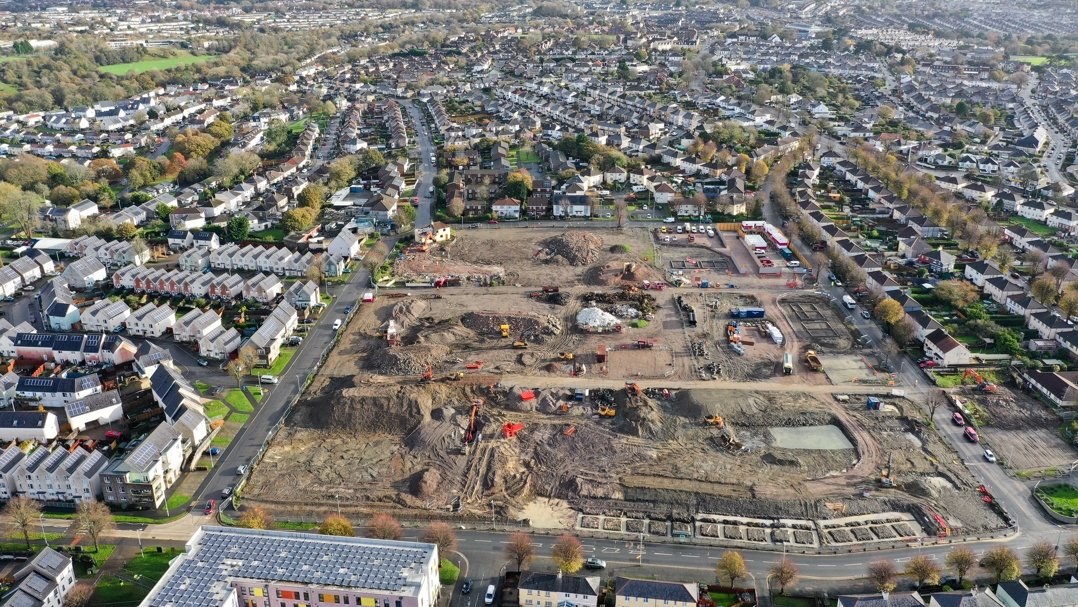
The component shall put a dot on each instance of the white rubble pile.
(594, 317)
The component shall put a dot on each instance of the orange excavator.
(469, 436)
(429, 374)
(983, 386)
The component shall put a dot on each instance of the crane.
(470, 435)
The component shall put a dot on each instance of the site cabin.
(788, 363)
(368, 297)
(786, 253)
(600, 356)
(746, 312)
(580, 394)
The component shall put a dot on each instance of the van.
(489, 598)
(793, 264)
(337, 324)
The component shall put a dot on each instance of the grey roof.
(23, 419)
(216, 555)
(1050, 596)
(652, 589)
(964, 598)
(552, 582)
(11, 458)
(93, 402)
(59, 384)
(152, 447)
(876, 600)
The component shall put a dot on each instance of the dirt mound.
(340, 406)
(622, 271)
(751, 408)
(535, 328)
(408, 360)
(574, 248)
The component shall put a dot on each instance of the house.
(506, 208)
(664, 193)
(105, 315)
(141, 478)
(102, 409)
(940, 261)
(85, 273)
(538, 589)
(945, 349)
(1059, 387)
(19, 426)
(435, 232)
(262, 287)
(179, 240)
(27, 269)
(302, 294)
(638, 592)
(220, 344)
(57, 391)
(978, 272)
(45, 581)
(897, 599)
(1000, 289)
(923, 324)
(291, 566)
(345, 245)
(58, 305)
(1017, 594)
(1048, 325)
(152, 320)
(196, 325)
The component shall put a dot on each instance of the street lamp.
(493, 522)
(42, 523)
(338, 504)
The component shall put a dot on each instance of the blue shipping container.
(746, 312)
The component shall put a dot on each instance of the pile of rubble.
(409, 360)
(534, 328)
(575, 248)
(595, 318)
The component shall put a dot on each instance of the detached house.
(945, 349)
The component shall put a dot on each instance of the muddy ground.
(1021, 430)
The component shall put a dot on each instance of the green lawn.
(221, 441)
(1062, 498)
(1033, 225)
(723, 599)
(257, 393)
(448, 573)
(239, 418)
(271, 235)
(793, 601)
(1029, 59)
(526, 157)
(278, 365)
(149, 568)
(215, 408)
(104, 552)
(177, 500)
(239, 401)
(157, 64)
(7, 88)
(201, 387)
(297, 526)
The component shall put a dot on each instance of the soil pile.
(575, 248)
(340, 406)
(535, 328)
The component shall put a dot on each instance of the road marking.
(611, 550)
(487, 541)
(689, 556)
(852, 565)
(827, 565)
(664, 554)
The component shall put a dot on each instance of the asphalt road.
(426, 170)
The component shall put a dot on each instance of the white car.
(489, 598)
(988, 455)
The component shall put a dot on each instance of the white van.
(336, 324)
(489, 598)
(793, 264)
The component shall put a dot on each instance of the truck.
(788, 363)
(813, 361)
(786, 253)
(746, 312)
(368, 297)
(849, 302)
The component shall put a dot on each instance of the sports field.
(157, 64)
(1030, 59)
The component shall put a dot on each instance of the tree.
(921, 569)
(1044, 289)
(785, 572)
(1070, 548)
(1037, 262)
(903, 332)
(1043, 558)
(621, 211)
(961, 560)
(956, 293)
(933, 401)
(520, 549)
(312, 196)
(238, 228)
(732, 567)
(961, 108)
(237, 371)
(93, 518)
(742, 162)
(1058, 273)
(316, 271)
(442, 535)
(567, 554)
(455, 207)
(1002, 563)
(1069, 303)
(882, 574)
(335, 524)
(405, 215)
(220, 129)
(79, 596)
(889, 311)
(64, 196)
(162, 211)
(23, 210)
(20, 515)
(297, 220)
(126, 230)
(885, 112)
(759, 171)
(384, 527)
(256, 518)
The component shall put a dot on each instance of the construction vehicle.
(887, 479)
(715, 420)
(788, 363)
(510, 429)
(605, 410)
(429, 374)
(474, 366)
(470, 435)
(565, 355)
(632, 388)
(520, 344)
(456, 376)
(813, 361)
(874, 404)
(505, 330)
(563, 408)
(982, 385)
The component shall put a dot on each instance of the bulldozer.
(505, 330)
(609, 411)
(520, 344)
(565, 355)
(715, 420)
(887, 478)
(456, 376)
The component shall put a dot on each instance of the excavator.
(429, 374)
(632, 388)
(456, 376)
(887, 479)
(982, 385)
(565, 355)
(520, 344)
(477, 404)
(715, 420)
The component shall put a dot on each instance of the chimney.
(886, 595)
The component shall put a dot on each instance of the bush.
(448, 573)
(620, 248)
(638, 324)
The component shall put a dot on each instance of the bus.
(850, 303)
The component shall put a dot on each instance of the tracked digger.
(470, 435)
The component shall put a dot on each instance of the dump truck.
(813, 361)
(715, 420)
(505, 330)
(788, 363)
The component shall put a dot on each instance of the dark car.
(307, 321)
(594, 563)
(467, 586)
(210, 505)
(958, 419)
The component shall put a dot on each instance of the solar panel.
(76, 408)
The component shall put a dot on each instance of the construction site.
(530, 394)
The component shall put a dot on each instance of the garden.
(1062, 499)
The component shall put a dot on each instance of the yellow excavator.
(565, 355)
(715, 420)
(520, 344)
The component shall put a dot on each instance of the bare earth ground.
(1021, 430)
(370, 431)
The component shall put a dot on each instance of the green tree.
(405, 215)
(64, 196)
(298, 219)
(1002, 563)
(312, 196)
(126, 230)
(162, 211)
(889, 311)
(238, 228)
(961, 108)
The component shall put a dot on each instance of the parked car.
(971, 434)
(467, 586)
(267, 379)
(489, 598)
(929, 363)
(958, 419)
(215, 451)
(210, 505)
(865, 314)
(594, 563)
(493, 221)
(113, 434)
(988, 455)
(669, 220)
(202, 362)
(241, 470)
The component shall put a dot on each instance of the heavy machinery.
(429, 374)
(813, 361)
(632, 388)
(505, 330)
(456, 376)
(609, 411)
(474, 366)
(787, 363)
(563, 408)
(520, 344)
(887, 479)
(715, 420)
(469, 436)
(565, 355)
(510, 429)
(982, 385)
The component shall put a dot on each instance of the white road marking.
(664, 554)
(827, 565)
(690, 556)
(852, 565)
(487, 541)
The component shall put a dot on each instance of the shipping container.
(746, 313)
